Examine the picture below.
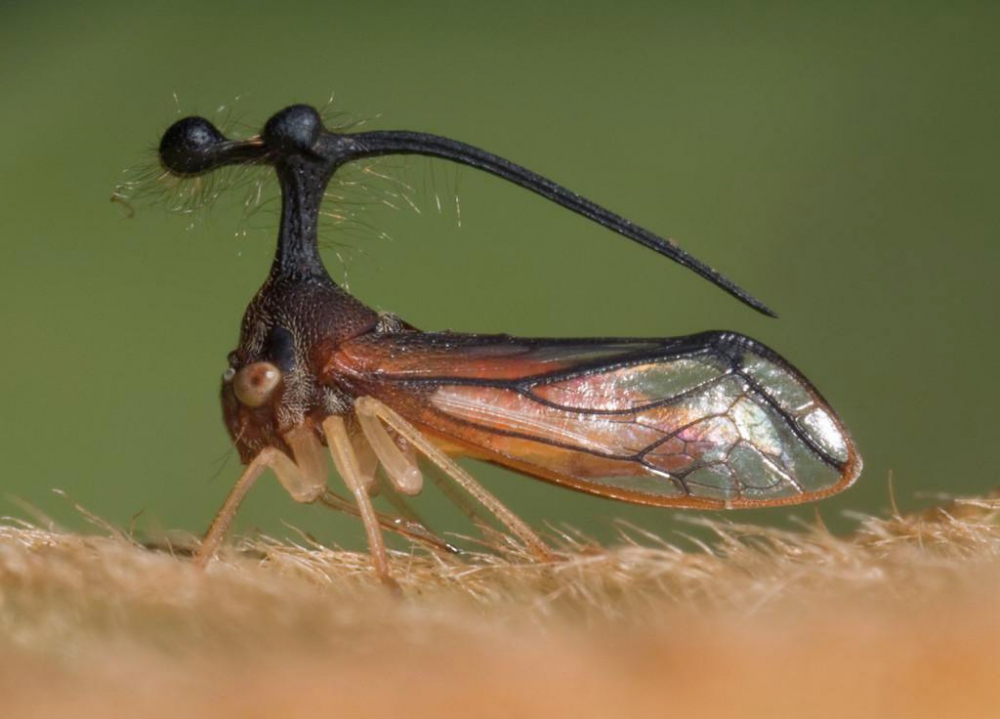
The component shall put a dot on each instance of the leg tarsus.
(392, 586)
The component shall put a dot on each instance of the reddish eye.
(255, 383)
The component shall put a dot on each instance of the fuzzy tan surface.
(899, 619)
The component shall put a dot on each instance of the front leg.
(304, 479)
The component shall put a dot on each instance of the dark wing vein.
(714, 418)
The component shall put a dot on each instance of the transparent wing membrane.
(711, 420)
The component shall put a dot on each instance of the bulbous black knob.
(293, 130)
(190, 146)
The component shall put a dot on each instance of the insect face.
(270, 386)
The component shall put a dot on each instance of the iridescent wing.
(710, 420)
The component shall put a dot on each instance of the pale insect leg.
(305, 481)
(450, 490)
(405, 476)
(398, 503)
(367, 463)
(224, 517)
(371, 407)
(288, 475)
(454, 495)
(346, 462)
(410, 527)
(410, 518)
(401, 470)
(399, 464)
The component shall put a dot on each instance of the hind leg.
(372, 409)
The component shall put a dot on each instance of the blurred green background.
(839, 160)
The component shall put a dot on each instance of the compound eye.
(255, 383)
